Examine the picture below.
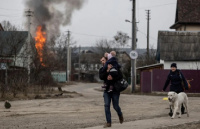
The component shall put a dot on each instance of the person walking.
(175, 78)
(110, 96)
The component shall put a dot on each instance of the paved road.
(148, 123)
(142, 112)
(155, 123)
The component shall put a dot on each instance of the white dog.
(176, 101)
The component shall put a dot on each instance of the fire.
(40, 42)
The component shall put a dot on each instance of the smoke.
(47, 14)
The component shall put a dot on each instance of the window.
(3, 66)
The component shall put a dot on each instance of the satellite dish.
(133, 55)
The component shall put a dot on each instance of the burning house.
(40, 41)
(48, 19)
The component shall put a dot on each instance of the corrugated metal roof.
(178, 46)
(150, 66)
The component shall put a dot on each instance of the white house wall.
(188, 28)
(21, 60)
(190, 65)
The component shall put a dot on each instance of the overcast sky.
(103, 18)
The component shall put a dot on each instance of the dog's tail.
(185, 97)
(186, 104)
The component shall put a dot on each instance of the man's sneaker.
(170, 114)
(107, 125)
(182, 109)
(121, 119)
(183, 113)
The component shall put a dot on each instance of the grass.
(37, 92)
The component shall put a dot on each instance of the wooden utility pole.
(68, 56)
(70, 62)
(29, 14)
(133, 62)
(79, 64)
(148, 19)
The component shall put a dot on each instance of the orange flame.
(40, 42)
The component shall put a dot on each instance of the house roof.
(178, 46)
(151, 66)
(187, 12)
(127, 50)
(1, 28)
(11, 42)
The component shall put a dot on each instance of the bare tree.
(103, 46)
(144, 59)
(59, 52)
(13, 47)
(121, 39)
(7, 26)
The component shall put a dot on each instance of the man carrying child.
(110, 73)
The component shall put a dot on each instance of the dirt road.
(86, 111)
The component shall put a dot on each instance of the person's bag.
(121, 85)
(189, 85)
(182, 83)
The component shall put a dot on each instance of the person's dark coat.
(175, 79)
(115, 73)
(103, 74)
(113, 62)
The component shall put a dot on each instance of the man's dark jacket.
(103, 74)
(113, 62)
(176, 78)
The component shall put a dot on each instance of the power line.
(157, 5)
(91, 35)
(142, 33)
(11, 9)
(9, 15)
(146, 35)
(155, 41)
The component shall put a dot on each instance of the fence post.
(6, 76)
(151, 80)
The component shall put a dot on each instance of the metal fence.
(155, 80)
